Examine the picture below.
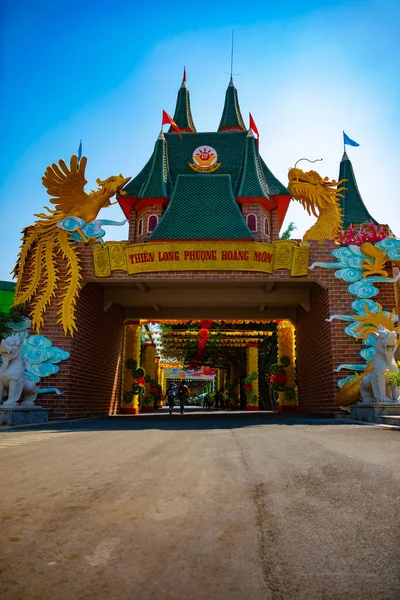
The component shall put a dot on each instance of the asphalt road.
(212, 507)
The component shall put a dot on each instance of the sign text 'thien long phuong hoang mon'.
(201, 256)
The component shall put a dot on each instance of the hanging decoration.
(211, 343)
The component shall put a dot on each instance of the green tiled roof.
(134, 186)
(230, 149)
(157, 183)
(202, 206)
(251, 182)
(353, 208)
(183, 114)
(231, 115)
(275, 187)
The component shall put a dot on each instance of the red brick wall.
(261, 214)
(314, 355)
(143, 215)
(274, 225)
(322, 346)
(91, 378)
(132, 225)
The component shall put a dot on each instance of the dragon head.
(111, 186)
(313, 191)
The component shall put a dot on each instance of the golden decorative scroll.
(283, 254)
(117, 255)
(101, 261)
(300, 260)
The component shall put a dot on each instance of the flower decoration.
(367, 233)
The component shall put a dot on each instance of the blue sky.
(104, 71)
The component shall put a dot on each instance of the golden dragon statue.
(318, 196)
(46, 247)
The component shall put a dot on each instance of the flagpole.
(344, 145)
(233, 33)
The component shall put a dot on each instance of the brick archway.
(91, 379)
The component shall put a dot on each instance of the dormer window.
(252, 222)
(140, 227)
(152, 223)
(266, 227)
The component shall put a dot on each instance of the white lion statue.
(375, 386)
(12, 375)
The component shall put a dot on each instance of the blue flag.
(347, 141)
(80, 151)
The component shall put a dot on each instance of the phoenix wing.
(66, 185)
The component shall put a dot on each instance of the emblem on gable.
(205, 160)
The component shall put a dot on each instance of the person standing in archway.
(183, 395)
(170, 393)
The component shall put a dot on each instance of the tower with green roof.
(231, 119)
(353, 208)
(205, 185)
(183, 115)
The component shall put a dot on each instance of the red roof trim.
(283, 204)
(126, 203)
(185, 129)
(232, 128)
(265, 202)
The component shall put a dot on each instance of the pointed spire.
(157, 183)
(252, 183)
(231, 119)
(183, 114)
(353, 208)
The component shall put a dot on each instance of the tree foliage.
(15, 315)
(288, 231)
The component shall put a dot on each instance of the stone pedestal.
(23, 416)
(378, 412)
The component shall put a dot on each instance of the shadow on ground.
(191, 420)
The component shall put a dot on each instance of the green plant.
(139, 376)
(154, 392)
(277, 377)
(251, 397)
(15, 315)
(285, 360)
(394, 377)
(288, 231)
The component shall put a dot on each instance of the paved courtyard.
(200, 506)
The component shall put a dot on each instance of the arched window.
(266, 227)
(140, 227)
(153, 220)
(252, 222)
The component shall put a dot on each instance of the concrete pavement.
(202, 506)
